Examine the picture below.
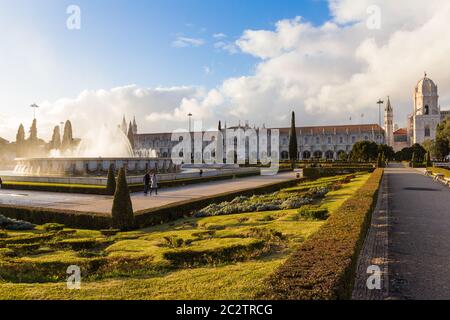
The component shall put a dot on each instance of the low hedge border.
(324, 266)
(316, 173)
(69, 218)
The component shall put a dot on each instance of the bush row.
(324, 266)
(315, 173)
(70, 218)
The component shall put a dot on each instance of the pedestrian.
(1, 182)
(146, 182)
(201, 173)
(154, 184)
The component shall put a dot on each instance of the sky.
(230, 60)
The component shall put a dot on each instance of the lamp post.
(34, 106)
(380, 102)
(190, 116)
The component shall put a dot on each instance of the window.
(306, 140)
(427, 110)
(353, 139)
(341, 140)
(329, 140)
(427, 131)
(317, 140)
(366, 138)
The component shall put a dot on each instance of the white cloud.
(182, 42)
(219, 35)
(230, 47)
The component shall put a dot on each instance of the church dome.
(426, 87)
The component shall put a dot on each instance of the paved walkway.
(418, 238)
(103, 204)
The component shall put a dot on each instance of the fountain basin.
(76, 166)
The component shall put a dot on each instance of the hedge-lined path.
(419, 236)
(375, 251)
(103, 204)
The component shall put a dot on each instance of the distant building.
(319, 142)
(422, 123)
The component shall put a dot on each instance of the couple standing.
(150, 182)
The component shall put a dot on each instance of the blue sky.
(123, 42)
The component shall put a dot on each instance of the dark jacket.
(147, 179)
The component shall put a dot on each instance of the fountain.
(93, 156)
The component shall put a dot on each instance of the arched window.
(427, 131)
(284, 155)
(318, 154)
(306, 155)
(329, 155)
(427, 110)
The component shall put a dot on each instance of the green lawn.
(242, 250)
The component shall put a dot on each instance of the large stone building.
(319, 142)
(422, 123)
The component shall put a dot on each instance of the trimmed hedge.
(324, 266)
(316, 173)
(70, 218)
(63, 188)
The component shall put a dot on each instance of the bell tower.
(389, 123)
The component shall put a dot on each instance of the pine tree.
(219, 127)
(67, 140)
(33, 133)
(20, 141)
(56, 139)
(379, 161)
(428, 160)
(122, 209)
(131, 135)
(293, 151)
(111, 181)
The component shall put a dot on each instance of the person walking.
(1, 182)
(154, 184)
(146, 183)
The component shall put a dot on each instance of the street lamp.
(34, 106)
(190, 116)
(380, 102)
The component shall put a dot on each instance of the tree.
(387, 151)
(67, 141)
(419, 152)
(441, 148)
(428, 160)
(55, 143)
(414, 158)
(130, 135)
(379, 161)
(293, 148)
(111, 181)
(364, 151)
(20, 141)
(122, 209)
(33, 138)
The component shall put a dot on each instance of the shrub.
(111, 181)
(3, 234)
(269, 235)
(324, 266)
(23, 248)
(310, 212)
(13, 224)
(174, 242)
(53, 227)
(224, 254)
(79, 244)
(122, 209)
(316, 173)
(109, 232)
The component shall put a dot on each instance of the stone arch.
(317, 154)
(284, 155)
(306, 155)
(329, 155)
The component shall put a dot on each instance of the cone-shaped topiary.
(122, 209)
(111, 181)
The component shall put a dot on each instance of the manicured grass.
(136, 264)
(445, 172)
